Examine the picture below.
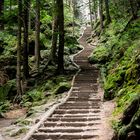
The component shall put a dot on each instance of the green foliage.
(4, 106)
(68, 15)
(19, 132)
(8, 42)
(6, 89)
(33, 96)
(39, 94)
(116, 125)
(45, 18)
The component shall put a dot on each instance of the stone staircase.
(80, 116)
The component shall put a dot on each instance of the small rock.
(37, 120)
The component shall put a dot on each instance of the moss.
(22, 122)
(100, 55)
(19, 132)
(62, 87)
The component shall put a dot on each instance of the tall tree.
(29, 15)
(101, 14)
(90, 9)
(95, 10)
(1, 14)
(73, 14)
(54, 32)
(37, 34)
(19, 89)
(61, 36)
(107, 11)
(25, 39)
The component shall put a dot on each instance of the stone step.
(83, 90)
(76, 115)
(81, 78)
(63, 130)
(76, 111)
(67, 136)
(80, 99)
(83, 103)
(79, 117)
(70, 119)
(79, 107)
(72, 124)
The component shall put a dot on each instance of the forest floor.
(17, 124)
(11, 131)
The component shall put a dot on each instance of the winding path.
(80, 116)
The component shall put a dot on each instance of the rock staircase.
(79, 118)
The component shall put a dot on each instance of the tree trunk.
(29, 16)
(95, 11)
(90, 9)
(19, 89)
(107, 11)
(101, 14)
(61, 36)
(37, 34)
(54, 33)
(1, 15)
(133, 9)
(25, 40)
(73, 14)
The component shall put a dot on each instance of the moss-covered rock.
(100, 55)
(62, 87)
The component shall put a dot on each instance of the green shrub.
(6, 90)
(33, 96)
(9, 43)
(4, 106)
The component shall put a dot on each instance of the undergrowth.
(118, 56)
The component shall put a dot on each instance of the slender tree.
(19, 89)
(73, 14)
(37, 34)
(25, 39)
(90, 9)
(1, 15)
(61, 36)
(29, 15)
(95, 10)
(108, 18)
(101, 14)
(54, 32)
